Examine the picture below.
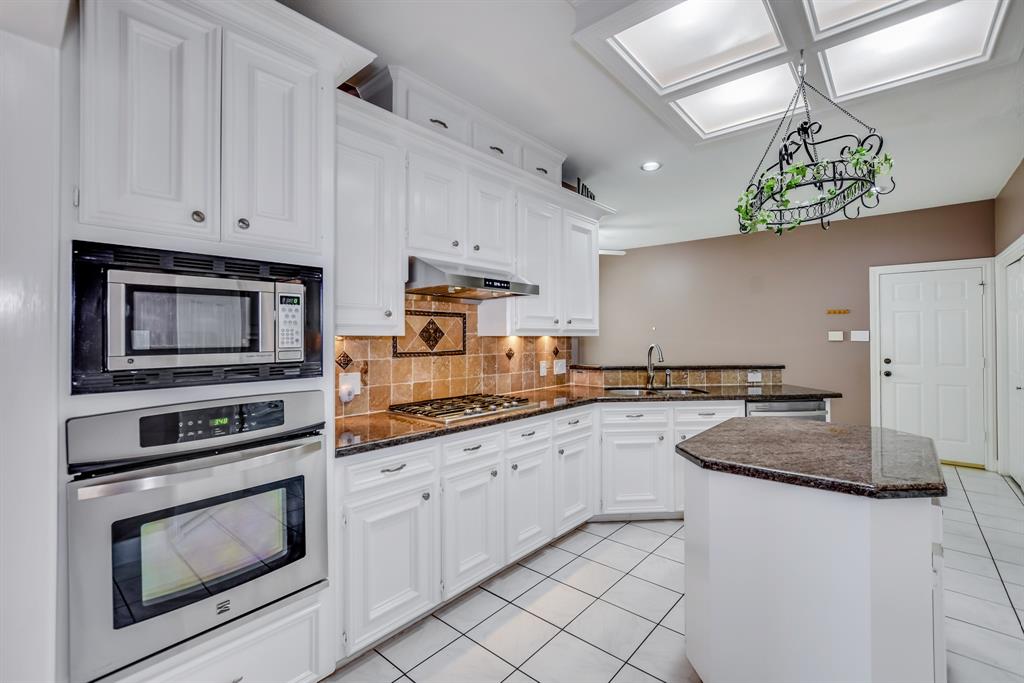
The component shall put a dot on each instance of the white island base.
(794, 584)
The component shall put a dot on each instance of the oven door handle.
(179, 473)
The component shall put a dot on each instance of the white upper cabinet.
(269, 158)
(437, 207)
(580, 276)
(491, 228)
(369, 298)
(150, 144)
(538, 259)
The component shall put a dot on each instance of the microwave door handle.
(172, 475)
(116, 319)
(267, 322)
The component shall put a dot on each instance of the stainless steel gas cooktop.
(455, 408)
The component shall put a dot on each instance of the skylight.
(949, 38)
(829, 14)
(740, 103)
(696, 38)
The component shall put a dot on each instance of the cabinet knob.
(556, 321)
(243, 223)
(455, 243)
(387, 313)
(476, 247)
(569, 321)
(426, 495)
(198, 216)
(497, 149)
(515, 466)
(661, 437)
(542, 170)
(439, 122)
(494, 473)
(561, 451)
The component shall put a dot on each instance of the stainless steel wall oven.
(184, 517)
(148, 318)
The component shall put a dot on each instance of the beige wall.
(1009, 210)
(763, 299)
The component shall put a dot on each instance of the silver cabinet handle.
(574, 422)
(473, 448)
(426, 495)
(635, 415)
(561, 451)
(388, 313)
(711, 414)
(515, 466)
(542, 170)
(388, 470)
(243, 223)
(439, 122)
(455, 243)
(499, 150)
(661, 437)
(198, 216)
(476, 247)
(494, 473)
(527, 435)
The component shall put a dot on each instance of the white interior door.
(1015, 369)
(931, 343)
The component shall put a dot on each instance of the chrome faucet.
(650, 362)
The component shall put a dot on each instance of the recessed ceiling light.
(695, 38)
(740, 103)
(650, 166)
(911, 50)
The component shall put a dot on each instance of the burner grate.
(455, 408)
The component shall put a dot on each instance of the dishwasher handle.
(805, 414)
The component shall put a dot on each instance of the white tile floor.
(605, 603)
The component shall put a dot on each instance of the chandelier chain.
(838, 106)
(785, 115)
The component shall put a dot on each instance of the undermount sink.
(628, 392)
(679, 392)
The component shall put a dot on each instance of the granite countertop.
(684, 366)
(859, 460)
(363, 433)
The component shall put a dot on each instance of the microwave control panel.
(291, 320)
(208, 423)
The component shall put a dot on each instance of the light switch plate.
(835, 335)
(753, 377)
(543, 368)
(559, 366)
(860, 335)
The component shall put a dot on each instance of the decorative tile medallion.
(343, 360)
(431, 333)
(554, 351)
(510, 353)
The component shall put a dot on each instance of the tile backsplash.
(484, 367)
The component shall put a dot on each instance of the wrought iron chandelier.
(814, 179)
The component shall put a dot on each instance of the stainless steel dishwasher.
(804, 410)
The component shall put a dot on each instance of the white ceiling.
(955, 137)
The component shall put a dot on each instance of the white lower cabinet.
(637, 474)
(529, 517)
(573, 455)
(691, 420)
(390, 558)
(472, 537)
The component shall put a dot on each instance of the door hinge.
(981, 284)
(344, 637)
(75, 196)
(442, 586)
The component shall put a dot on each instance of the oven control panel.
(208, 423)
(291, 320)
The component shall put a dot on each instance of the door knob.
(243, 223)
(887, 361)
(887, 373)
(198, 216)
(455, 243)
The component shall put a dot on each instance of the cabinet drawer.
(637, 414)
(477, 446)
(576, 421)
(497, 143)
(542, 163)
(715, 411)
(527, 432)
(394, 467)
(434, 113)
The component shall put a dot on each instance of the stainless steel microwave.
(161, 320)
(147, 318)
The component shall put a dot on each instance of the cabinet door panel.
(368, 295)
(391, 561)
(538, 256)
(473, 535)
(528, 500)
(437, 207)
(269, 159)
(580, 277)
(491, 226)
(637, 472)
(150, 119)
(573, 466)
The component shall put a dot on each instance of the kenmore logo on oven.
(497, 284)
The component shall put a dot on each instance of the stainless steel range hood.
(458, 281)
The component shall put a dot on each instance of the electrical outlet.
(835, 335)
(559, 366)
(349, 386)
(543, 368)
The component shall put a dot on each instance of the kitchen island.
(810, 553)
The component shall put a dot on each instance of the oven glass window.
(173, 320)
(177, 556)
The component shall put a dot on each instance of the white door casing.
(1014, 457)
(931, 340)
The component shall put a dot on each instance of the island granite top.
(854, 459)
(361, 433)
